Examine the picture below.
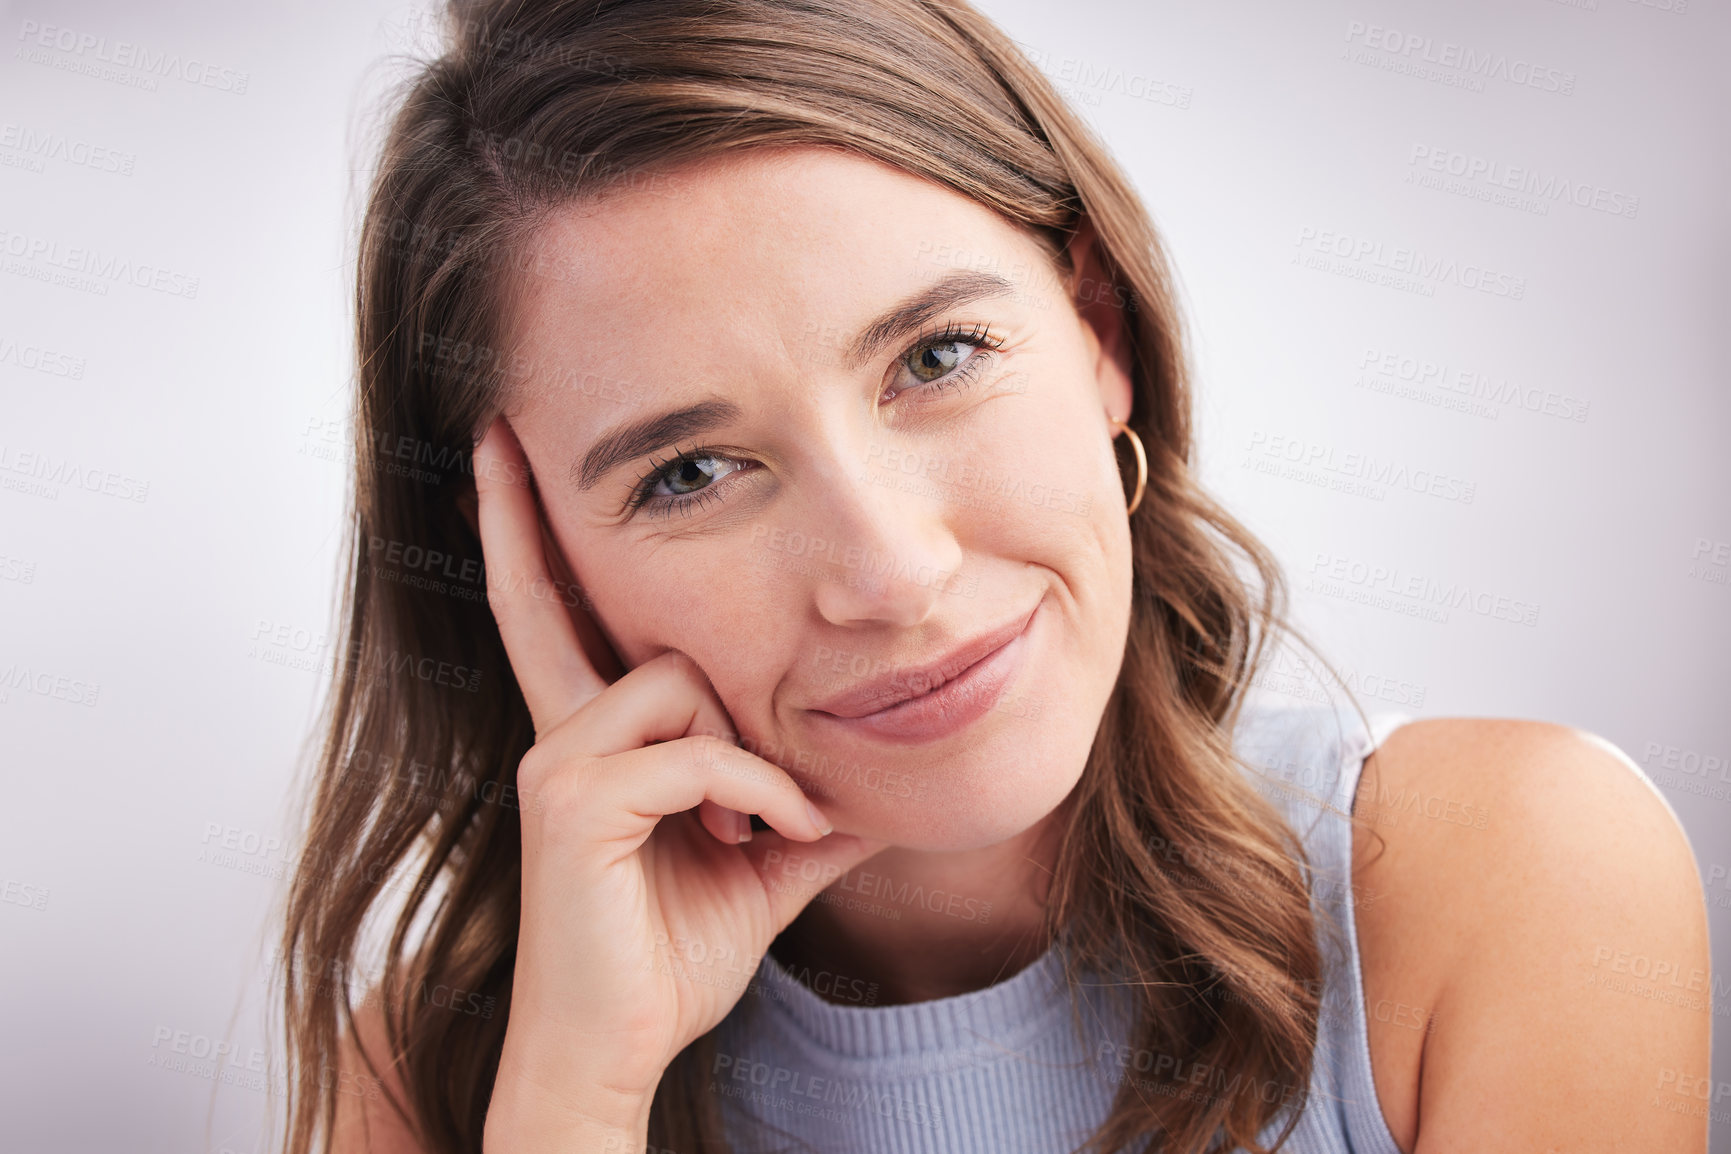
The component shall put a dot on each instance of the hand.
(634, 833)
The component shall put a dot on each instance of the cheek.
(646, 613)
(1044, 488)
(691, 597)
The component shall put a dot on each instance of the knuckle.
(564, 799)
(550, 779)
(717, 755)
(534, 770)
(682, 667)
(710, 754)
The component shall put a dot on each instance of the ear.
(1104, 307)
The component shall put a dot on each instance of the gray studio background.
(1382, 327)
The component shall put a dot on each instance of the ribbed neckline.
(928, 1052)
(1004, 1015)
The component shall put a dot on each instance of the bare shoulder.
(366, 1123)
(1533, 935)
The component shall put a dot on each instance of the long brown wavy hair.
(1174, 869)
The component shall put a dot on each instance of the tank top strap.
(1306, 759)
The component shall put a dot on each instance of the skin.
(715, 622)
(1500, 963)
(963, 813)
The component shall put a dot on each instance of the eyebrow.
(644, 435)
(633, 439)
(912, 314)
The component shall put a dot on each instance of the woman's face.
(829, 429)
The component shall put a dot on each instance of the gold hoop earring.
(1141, 462)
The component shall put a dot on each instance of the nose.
(881, 554)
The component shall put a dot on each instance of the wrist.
(524, 1118)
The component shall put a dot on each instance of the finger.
(665, 698)
(710, 718)
(793, 873)
(621, 797)
(540, 640)
(600, 652)
(729, 826)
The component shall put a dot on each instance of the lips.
(907, 681)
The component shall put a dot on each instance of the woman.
(833, 765)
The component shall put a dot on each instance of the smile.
(927, 702)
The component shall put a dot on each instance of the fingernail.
(742, 827)
(823, 824)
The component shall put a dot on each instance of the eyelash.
(980, 336)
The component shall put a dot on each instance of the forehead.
(765, 253)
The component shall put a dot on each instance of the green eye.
(689, 475)
(686, 478)
(930, 362)
(946, 361)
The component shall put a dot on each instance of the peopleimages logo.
(1489, 179)
(84, 52)
(39, 146)
(1089, 78)
(1416, 594)
(1398, 266)
(1409, 51)
(17, 678)
(49, 472)
(1370, 472)
(40, 359)
(1470, 384)
(39, 254)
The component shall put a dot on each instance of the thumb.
(795, 872)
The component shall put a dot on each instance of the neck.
(915, 925)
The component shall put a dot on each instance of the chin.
(987, 795)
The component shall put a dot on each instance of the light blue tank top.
(1002, 1070)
